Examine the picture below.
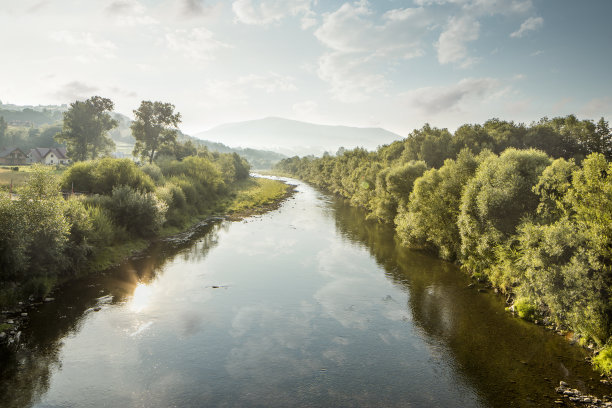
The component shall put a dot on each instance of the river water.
(308, 305)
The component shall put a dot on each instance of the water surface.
(308, 305)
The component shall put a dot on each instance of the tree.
(3, 127)
(154, 127)
(494, 202)
(86, 126)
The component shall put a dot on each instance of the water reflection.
(509, 362)
(26, 373)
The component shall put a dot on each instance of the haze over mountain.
(291, 137)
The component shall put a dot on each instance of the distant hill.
(291, 137)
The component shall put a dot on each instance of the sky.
(389, 63)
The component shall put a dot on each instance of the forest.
(526, 208)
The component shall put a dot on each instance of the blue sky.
(391, 63)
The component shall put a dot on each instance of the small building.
(13, 156)
(48, 155)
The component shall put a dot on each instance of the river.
(308, 305)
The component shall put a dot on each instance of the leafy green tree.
(432, 145)
(3, 127)
(493, 203)
(154, 127)
(430, 218)
(602, 140)
(85, 129)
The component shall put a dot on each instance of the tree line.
(528, 208)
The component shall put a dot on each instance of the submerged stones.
(574, 395)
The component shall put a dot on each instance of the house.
(13, 156)
(48, 155)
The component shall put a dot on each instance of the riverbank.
(249, 197)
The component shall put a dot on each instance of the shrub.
(525, 310)
(142, 214)
(603, 360)
(101, 176)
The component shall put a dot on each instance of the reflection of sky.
(281, 311)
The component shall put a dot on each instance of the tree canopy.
(86, 126)
(154, 127)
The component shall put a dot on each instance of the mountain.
(291, 137)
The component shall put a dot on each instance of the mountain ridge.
(293, 137)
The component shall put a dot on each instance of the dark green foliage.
(85, 130)
(142, 214)
(495, 201)
(154, 129)
(430, 218)
(100, 176)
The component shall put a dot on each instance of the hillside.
(292, 137)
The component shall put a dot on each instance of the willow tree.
(155, 126)
(85, 129)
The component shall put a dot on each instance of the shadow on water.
(509, 362)
(25, 373)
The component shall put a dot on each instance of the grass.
(5, 327)
(256, 192)
(20, 176)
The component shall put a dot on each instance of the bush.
(101, 176)
(603, 360)
(142, 214)
(153, 171)
(103, 229)
(525, 309)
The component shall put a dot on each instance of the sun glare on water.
(141, 297)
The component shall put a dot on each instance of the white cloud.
(531, 24)
(451, 45)
(129, 13)
(237, 91)
(436, 100)
(348, 80)
(98, 47)
(351, 29)
(196, 43)
(263, 12)
(364, 44)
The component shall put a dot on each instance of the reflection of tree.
(507, 361)
(25, 373)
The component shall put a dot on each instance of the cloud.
(74, 91)
(451, 44)
(436, 100)
(98, 47)
(363, 45)
(353, 28)
(129, 13)
(349, 82)
(264, 12)
(196, 43)
(237, 91)
(531, 24)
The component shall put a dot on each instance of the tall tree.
(86, 126)
(3, 127)
(155, 126)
